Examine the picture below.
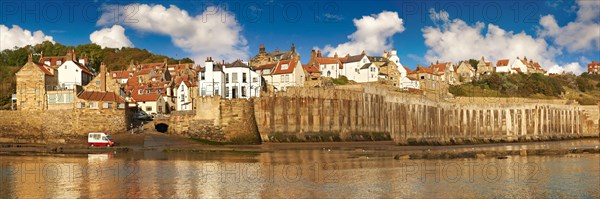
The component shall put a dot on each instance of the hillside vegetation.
(585, 88)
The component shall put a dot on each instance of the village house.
(503, 66)
(185, 91)
(410, 80)
(263, 57)
(33, 81)
(447, 70)
(519, 65)
(594, 68)
(465, 72)
(328, 66)
(287, 73)
(312, 76)
(235, 80)
(121, 76)
(358, 68)
(72, 73)
(484, 68)
(388, 70)
(430, 80)
(103, 92)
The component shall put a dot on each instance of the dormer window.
(47, 63)
(59, 63)
(284, 66)
(140, 91)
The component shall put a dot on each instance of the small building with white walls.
(235, 80)
(72, 73)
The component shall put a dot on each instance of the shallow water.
(296, 173)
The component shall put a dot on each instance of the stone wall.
(376, 114)
(36, 126)
(215, 119)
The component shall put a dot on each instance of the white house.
(328, 66)
(393, 57)
(359, 68)
(184, 95)
(285, 74)
(407, 82)
(72, 73)
(503, 66)
(153, 103)
(518, 66)
(235, 80)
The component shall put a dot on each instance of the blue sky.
(428, 30)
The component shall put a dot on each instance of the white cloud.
(214, 33)
(455, 40)
(441, 16)
(573, 67)
(18, 37)
(579, 35)
(113, 37)
(373, 34)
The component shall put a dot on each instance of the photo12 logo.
(470, 172)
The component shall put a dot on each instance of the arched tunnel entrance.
(161, 127)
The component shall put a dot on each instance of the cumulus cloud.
(214, 33)
(456, 40)
(373, 34)
(18, 37)
(441, 16)
(113, 37)
(579, 35)
(573, 67)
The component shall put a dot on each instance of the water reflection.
(295, 173)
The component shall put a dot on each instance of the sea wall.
(314, 114)
(37, 126)
(215, 119)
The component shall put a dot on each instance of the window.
(59, 63)
(202, 76)
(81, 105)
(254, 79)
(105, 105)
(234, 78)
(243, 91)
(226, 77)
(244, 78)
(422, 77)
(140, 91)
(98, 83)
(284, 66)
(93, 105)
(372, 69)
(226, 91)
(182, 97)
(216, 91)
(148, 108)
(121, 105)
(328, 73)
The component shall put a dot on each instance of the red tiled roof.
(327, 60)
(53, 60)
(310, 69)
(120, 74)
(150, 97)
(152, 65)
(100, 96)
(45, 68)
(265, 66)
(424, 70)
(441, 66)
(502, 62)
(290, 69)
(488, 63)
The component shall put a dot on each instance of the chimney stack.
(319, 53)
(103, 77)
